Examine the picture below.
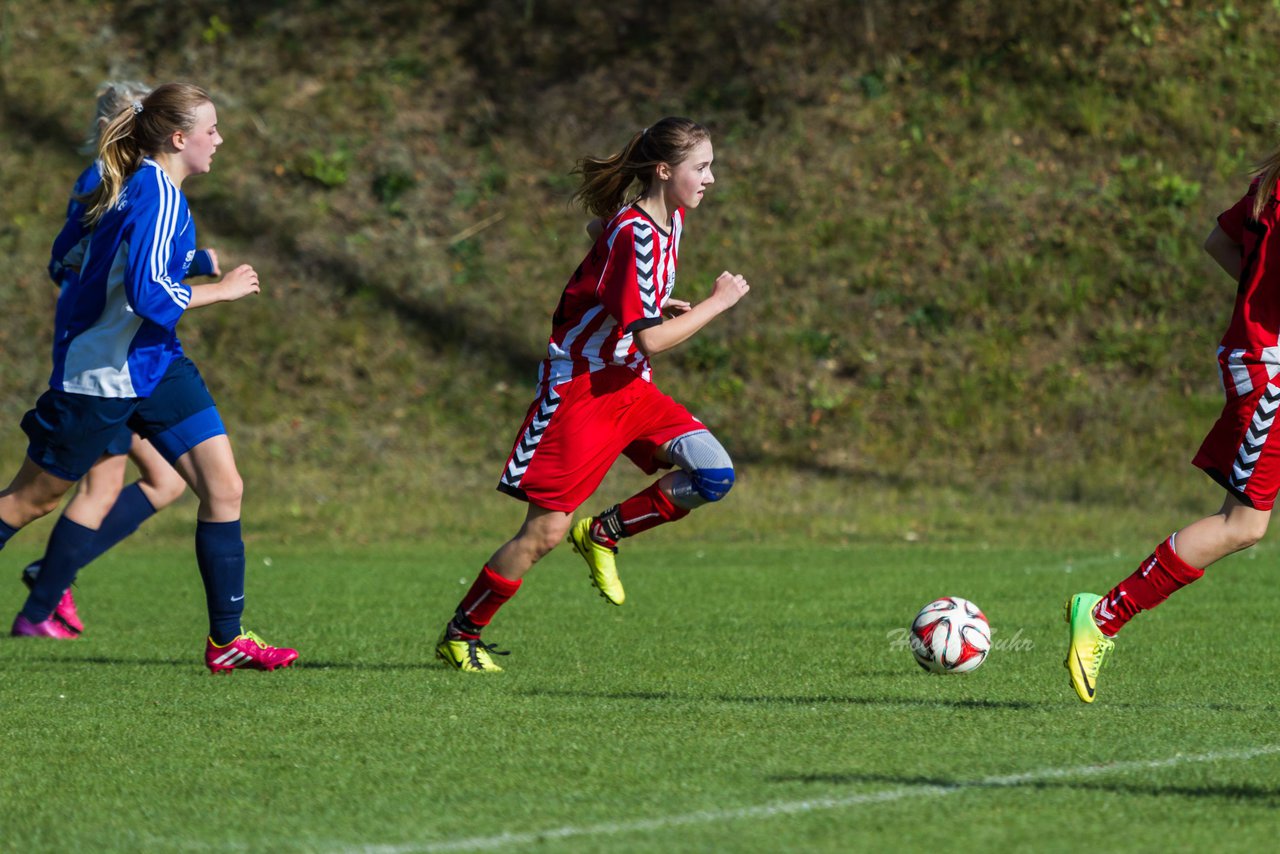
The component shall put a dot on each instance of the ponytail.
(1268, 176)
(118, 157)
(606, 181)
(140, 129)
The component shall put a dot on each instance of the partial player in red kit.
(596, 400)
(1241, 452)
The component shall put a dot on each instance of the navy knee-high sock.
(68, 544)
(130, 510)
(6, 532)
(220, 555)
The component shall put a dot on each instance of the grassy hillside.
(973, 232)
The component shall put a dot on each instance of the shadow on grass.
(104, 659)
(192, 662)
(1203, 707)
(1263, 796)
(785, 700)
(378, 665)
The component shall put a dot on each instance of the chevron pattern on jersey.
(523, 453)
(644, 270)
(1255, 437)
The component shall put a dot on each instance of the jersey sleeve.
(201, 264)
(628, 288)
(69, 246)
(156, 218)
(1232, 220)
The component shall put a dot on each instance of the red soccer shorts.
(576, 430)
(1240, 453)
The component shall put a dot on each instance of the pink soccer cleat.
(66, 610)
(49, 628)
(66, 614)
(247, 651)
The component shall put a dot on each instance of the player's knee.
(712, 484)
(22, 510)
(42, 506)
(545, 542)
(100, 492)
(541, 538)
(166, 488)
(707, 464)
(225, 491)
(1247, 532)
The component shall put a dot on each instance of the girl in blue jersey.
(118, 362)
(101, 492)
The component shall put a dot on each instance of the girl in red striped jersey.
(1238, 453)
(595, 399)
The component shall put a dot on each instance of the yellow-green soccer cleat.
(600, 560)
(1088, 647)
(469, 656)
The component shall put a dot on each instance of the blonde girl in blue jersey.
(102, 492)
(117, 361)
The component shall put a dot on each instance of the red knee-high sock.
(1155, 579)
(489, 592)
(642, 511)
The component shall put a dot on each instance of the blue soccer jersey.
(114, 329)
(69, 245)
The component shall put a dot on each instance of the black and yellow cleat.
(470, 656)
(600, 560)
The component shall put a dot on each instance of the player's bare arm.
(728, 290)
(240, 282)
(213, 260)
(1225, 251)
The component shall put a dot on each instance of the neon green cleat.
(469, 656)
(604, 570)
(1088, 647)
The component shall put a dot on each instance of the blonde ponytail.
(118, 158)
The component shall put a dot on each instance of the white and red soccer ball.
(950, 635)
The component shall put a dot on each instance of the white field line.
(502, 840)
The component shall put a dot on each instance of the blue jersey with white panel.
(69, 245)
(114, 329)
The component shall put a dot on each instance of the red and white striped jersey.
(620, 288)
(1249, 353)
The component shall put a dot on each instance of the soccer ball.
(950, 635)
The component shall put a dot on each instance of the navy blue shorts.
(120, 443)
(68, 433)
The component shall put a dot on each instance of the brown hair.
(1268, 174)
(140, 129)
(606, 181)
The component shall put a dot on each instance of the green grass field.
(748, 697)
